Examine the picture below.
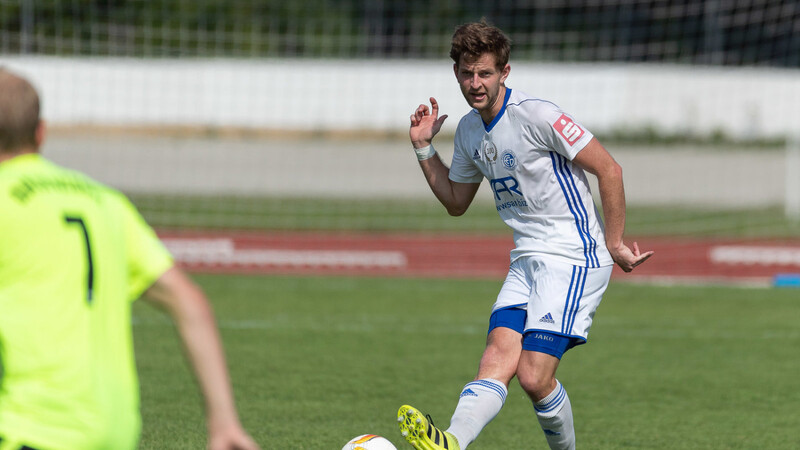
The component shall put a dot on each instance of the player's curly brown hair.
(474, 39)
(19, 112)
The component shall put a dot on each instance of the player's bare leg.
(501, 356)
(481, 400)
(536, 374)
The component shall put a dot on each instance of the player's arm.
(456, 197)
(425, 124)
(596, 160)
(186, 303)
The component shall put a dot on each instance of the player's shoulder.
(26, 176)
(470, 124)
(533, 112)
(532, 106)
(82, 181)
(471, 118)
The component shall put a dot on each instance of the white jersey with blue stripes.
(526, 154)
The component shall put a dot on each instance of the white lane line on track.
(223, 251)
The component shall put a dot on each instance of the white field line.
(674, 281)
(222, 251)
(751, 255)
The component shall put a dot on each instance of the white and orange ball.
(369, 442)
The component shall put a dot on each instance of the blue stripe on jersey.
(584, 214)
(577, 212)
(496, 119)
(570, 199)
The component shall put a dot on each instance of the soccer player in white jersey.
(535, 157)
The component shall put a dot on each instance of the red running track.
(679, 260)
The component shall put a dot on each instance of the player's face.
(482, 83)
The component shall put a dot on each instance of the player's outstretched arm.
(186, 303)
(596, 160)
(425, 124)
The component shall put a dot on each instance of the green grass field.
(316, 361)
(399, 215)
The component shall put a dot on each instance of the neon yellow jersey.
(74, 255)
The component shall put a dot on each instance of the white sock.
(479, 403)
(555, 416)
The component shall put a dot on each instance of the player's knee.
(501, 356)
(536, 385)
(497, 365)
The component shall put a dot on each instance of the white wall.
(353, 95)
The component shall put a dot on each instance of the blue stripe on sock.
(498, 389)
(554, 403)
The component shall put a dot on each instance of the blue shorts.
(534, 341)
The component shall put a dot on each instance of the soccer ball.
(369, 442)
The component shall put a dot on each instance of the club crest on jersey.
(490, 151)
(509, 160)
(568, 129)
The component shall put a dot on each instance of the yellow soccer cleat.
(419, 431)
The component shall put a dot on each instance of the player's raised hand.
(627, 259)
(425, 124)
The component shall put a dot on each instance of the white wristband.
(425, 152)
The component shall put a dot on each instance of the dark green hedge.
(756, 32)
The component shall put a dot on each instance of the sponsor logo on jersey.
(477, 155)
(509, 160)
(505, 184)
(568, 129)
(490, 151)
(509, 186)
